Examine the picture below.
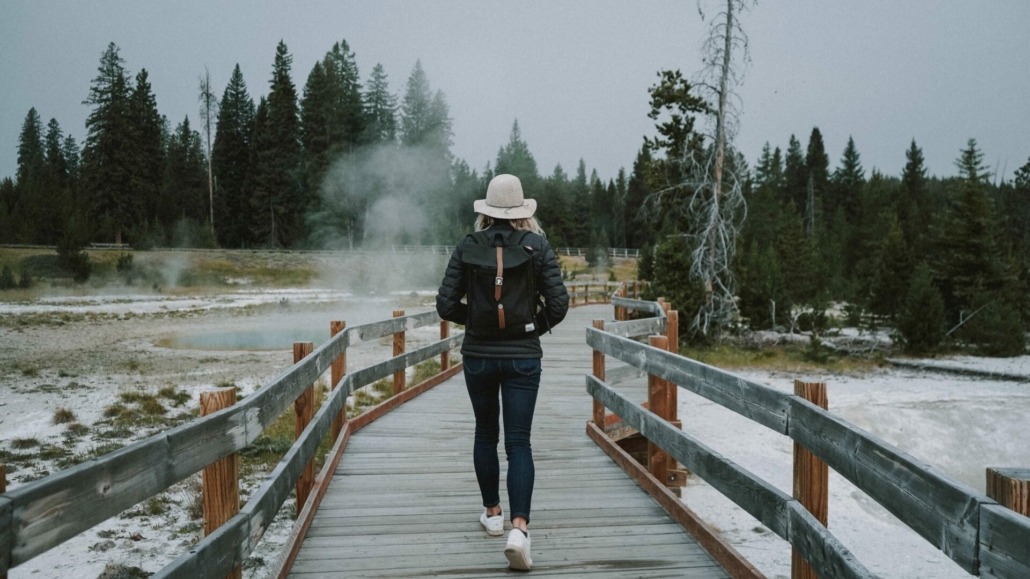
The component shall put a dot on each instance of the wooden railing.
(981, 536)
(43, 514)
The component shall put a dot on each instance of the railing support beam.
(399, 378)
(445, 358)
(303, 411)
(1011, 488)
(658, 402)
(221, 482)
(599, 373)
(811, 478)
(339, 369)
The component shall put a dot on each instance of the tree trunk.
(720, 151)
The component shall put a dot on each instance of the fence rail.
(980, 536)
(45, 513)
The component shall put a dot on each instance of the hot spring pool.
(271, 339)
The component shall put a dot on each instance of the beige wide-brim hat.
(504, 199)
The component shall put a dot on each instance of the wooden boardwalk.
(404, 500)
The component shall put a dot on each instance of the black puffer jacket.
(548, 282)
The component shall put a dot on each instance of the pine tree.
(795, 176)
(416, 117)
(515, 159)
(53, 144)
(894, 273)
(553, 208)
(347, 120)
(380, 108)
(8, 200)
(70, 152)
(618, 210)
(847, 183)
(577, 231)
(818, 164)
(762, 291)
(1016, 212)
(921, 320)
(147, 151)
(970, 260)
(638, 226)
(29, 203)
(185, 183)
(867, 230)
(31, 154)
(914, 206)
(230, 161)
(276, 201)
(107, 156)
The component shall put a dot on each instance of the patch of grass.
(24, 443)
(132, 364)
(29, 371)
(134, 396)
(115, 410)
(156, 506)
(178, 397)
(153, 407)
(53, 452)
(426, 370)
(63, 416)
(78, 429)
(797, 359)
(118, 571)
(65, 374)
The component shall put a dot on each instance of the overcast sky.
(574, 73)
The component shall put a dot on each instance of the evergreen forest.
(333, 163)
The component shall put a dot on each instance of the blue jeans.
(518, 381)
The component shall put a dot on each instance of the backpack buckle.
(498, 281)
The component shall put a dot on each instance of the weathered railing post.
(599, 373)
(811, 478)
(303, 411)
(672, 334)
(1010, 487)
(221, 486)
(658, 402)
(636, 289)
(445, 356)
(398, 349)
(339, 368)
(3, 489)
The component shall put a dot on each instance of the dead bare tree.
(208, 116)
(718, 208)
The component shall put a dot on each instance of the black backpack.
(502, 297)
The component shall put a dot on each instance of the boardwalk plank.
(404, 501)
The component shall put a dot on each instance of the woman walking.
(513, 290)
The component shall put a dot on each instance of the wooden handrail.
(45, 513)
(217, 554)
(777, 510)
(950, 515)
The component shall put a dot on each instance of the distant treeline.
(940, 260)
(346, 164)
(292, 170)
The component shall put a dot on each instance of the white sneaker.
(517, 550)
(494, 525)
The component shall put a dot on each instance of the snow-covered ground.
(1015, 366)
(960, 425)
(84, 364)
